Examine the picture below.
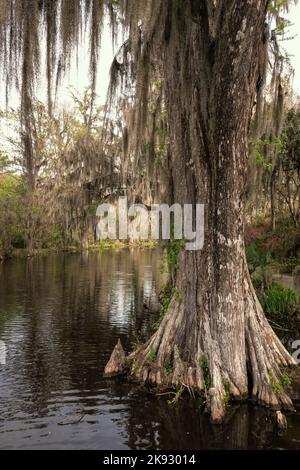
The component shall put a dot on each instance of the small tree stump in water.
(281, 421)
(116, 362)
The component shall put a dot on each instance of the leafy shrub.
(256, 256)
(257, 278)
(277, 299)
(11, 207)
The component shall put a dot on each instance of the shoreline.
(103, 246)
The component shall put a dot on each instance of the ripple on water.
(60, 317)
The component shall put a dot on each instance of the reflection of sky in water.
(60, 318)
(122, 301)
(148, 282)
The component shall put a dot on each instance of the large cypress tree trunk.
(214, 335)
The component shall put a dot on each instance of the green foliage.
(136, 341)
(276, 386)
(176, 295)
(177, 397)
(256, 256)
(11, 213)
(280, 385)
(261, 160)
(165, 301)
(174, 247)
(265, 147)
(264, 246)
(5, 163)
(290, 150)
(227, 389)
(205, 372)
(258, 278)
(168, 369)
(134, 365)
(286, 380)
(8, 187)
(155, 326)
(288, 180)
(173, 250)
(151, 356)
(277, 299)
(57, 211)
(272, 253)
(290, 244)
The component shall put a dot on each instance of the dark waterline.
(60, 317)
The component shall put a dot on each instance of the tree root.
(200, 353)
(267, 389)
(281, 422)
(116, 363)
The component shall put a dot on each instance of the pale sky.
(79, 78)
(293, 46)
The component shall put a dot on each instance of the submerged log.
(115, 365)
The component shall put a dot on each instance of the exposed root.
(217, 407)
(267, 388)
(281, 422)
(189, 352)
(266, 358)
(115, 365)
(179, 371)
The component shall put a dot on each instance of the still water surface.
(60, 317)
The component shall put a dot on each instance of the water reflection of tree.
(67, 313)
(73, 309)
(153, 424)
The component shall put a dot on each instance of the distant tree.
(289, 176)
(11, 214)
